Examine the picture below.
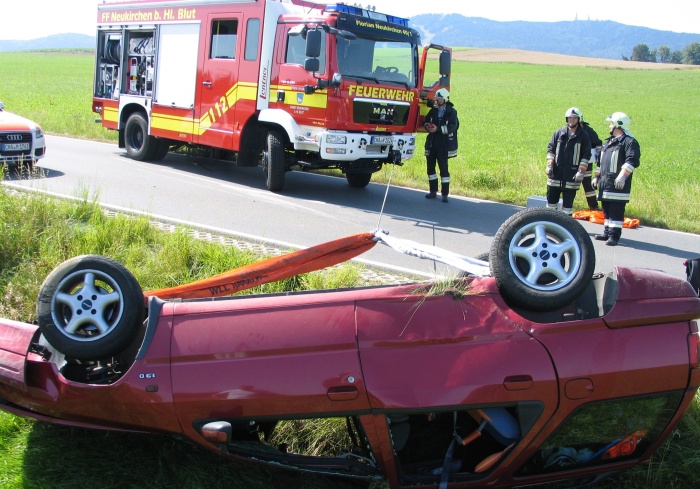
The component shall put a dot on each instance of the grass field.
(508, 112)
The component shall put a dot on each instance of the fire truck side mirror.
(312, 65)
(313, 44)
(445, 63)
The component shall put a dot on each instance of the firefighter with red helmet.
(613, 177)
(568, 154)
(441, 143)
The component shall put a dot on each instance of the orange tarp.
(272, 269)
(596, 217)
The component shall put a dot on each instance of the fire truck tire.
(139, 145)
(162, 148)
(358, 180)
(273, 162)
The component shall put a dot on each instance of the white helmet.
(574, 112)
(621, 120)
(442, 93)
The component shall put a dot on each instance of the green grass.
(507, 111)
(54, 89)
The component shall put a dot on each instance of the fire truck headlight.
(335, 151)
(336, 139)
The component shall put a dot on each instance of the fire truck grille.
(381, 113)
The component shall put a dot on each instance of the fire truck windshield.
(379, 61)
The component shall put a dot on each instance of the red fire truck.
(286, 84)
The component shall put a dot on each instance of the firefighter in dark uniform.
(613, 177)
(441, 143)
(596, 146)
(568, 154)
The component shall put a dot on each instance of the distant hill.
(57, 41)
(590, 38)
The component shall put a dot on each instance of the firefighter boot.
(613, 237)
(604, 236)
(592, 203)
(433, 189)
(445, 190)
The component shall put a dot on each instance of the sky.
(32, 19)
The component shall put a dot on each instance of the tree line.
(690, 55)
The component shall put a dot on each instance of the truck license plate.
(381, 140)
(15, 147)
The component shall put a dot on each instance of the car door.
(446, 367)
(439, 351)
(265, 357)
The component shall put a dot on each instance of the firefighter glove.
(578, 178)
(594, 182)
(621, 179)
(550, 168)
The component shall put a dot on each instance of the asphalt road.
(312, 208)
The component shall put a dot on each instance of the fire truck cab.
(285, 84)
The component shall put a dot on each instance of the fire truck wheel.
(358, 180)
(90, 307)
(273, 162)
(139, 145)
(162, 148)
(541, 259)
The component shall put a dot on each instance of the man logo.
(384, 112)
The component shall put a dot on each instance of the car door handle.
(344, 393)
(206, 83)
(517, 383)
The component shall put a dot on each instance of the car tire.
(483, 256)
(541, 259)
(90, 307)
(273, 162)
(140, 146)
(358, 180)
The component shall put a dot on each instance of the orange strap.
(272, 269)
(596, 217)
(624, 447)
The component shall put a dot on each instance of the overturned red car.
(542, 373)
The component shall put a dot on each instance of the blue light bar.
(370, 14)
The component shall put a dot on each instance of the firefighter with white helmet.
(568, 154)
(613, 177)
(442, 123)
